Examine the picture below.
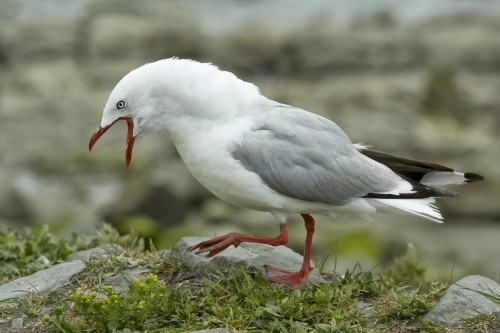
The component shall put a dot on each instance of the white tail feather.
(437, 178)
(421, 207)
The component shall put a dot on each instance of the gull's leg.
(293, 279)
(218, 244)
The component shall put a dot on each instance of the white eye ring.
(120, 105)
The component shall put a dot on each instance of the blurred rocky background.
(415, 78)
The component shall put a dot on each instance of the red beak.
(130, 137)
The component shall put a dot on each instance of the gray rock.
(459, 303)
(53, 277)
(106, 249)
(17, 323)
(366, 309)
(46, 311)
(121, 281)
(42, 281)
(252, 255)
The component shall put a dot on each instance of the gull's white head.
(166, 94)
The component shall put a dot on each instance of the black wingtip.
(473, 177)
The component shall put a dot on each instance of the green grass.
(244, 302)
(170, 299)
(25, 252)
(492, 296)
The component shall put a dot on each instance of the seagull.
(256, 153)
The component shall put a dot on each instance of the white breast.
(207, 155)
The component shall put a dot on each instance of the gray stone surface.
(460, 303)
(252, 255)
(17, 323)
(366, 310)
(106, 249)
(121, 281)
(51, 278)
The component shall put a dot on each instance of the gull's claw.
(218, 244)
(287, 278)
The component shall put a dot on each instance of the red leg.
(293, 279)
(218, 244)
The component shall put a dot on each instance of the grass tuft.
(243, 302)
(26, 252)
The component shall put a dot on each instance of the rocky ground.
(427, 90)
(464, 302)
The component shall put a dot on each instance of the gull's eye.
(120, 105)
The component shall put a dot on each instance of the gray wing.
(305, 156)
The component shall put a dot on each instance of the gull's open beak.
(130, 137)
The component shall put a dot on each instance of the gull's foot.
(287, 278)
(219, 244)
